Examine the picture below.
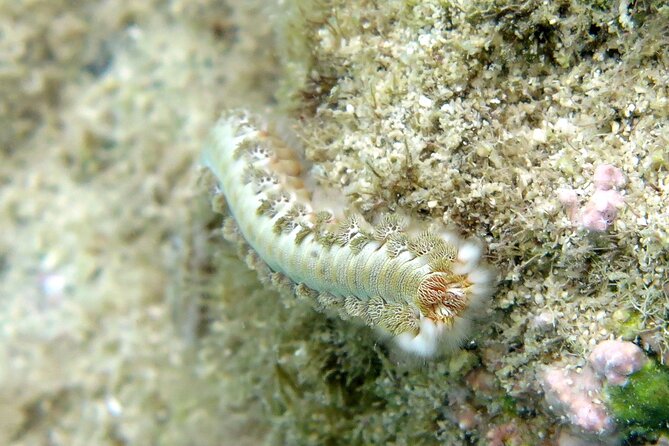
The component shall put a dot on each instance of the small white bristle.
(480, 276)
(469, 253)
(468, 256)
(425, 343)
(482, 289)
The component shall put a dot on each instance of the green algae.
(642, 405)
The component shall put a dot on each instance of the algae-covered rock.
(127, 320)
(642, 405)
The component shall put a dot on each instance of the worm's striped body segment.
(421, 287)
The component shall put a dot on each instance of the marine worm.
(419, 286)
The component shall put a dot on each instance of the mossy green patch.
(627, 323)
(642, 405)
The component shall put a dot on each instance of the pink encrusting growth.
(575, 395)
(607, 177)
(616, 360)
(578, 394)
(602, 209)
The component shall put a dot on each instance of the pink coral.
(607, 176)
(616, 360)
(602, 208)
(575, 395)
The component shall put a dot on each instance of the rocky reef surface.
(540, 128)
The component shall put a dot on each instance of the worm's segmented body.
(419, 286)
